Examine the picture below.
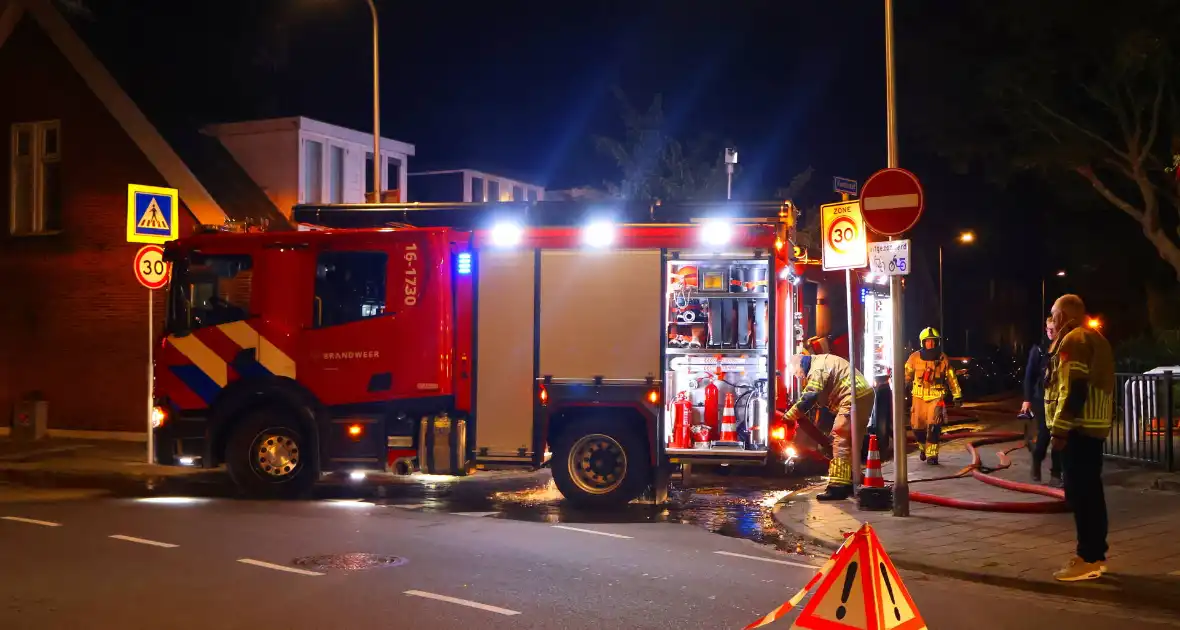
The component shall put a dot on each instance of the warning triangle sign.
(897, 608)
(858, 589)
(845, 598)
(153, 217)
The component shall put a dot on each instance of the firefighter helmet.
(929, 333)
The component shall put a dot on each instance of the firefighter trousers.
(840, 469)
(927, 418)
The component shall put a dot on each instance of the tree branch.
(1090, 134)
(1153, 130)
(1109, 195)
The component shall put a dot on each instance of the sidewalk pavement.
(97, 461)
(1017, 550)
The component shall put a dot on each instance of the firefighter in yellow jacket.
(932, 377)
(829, 383)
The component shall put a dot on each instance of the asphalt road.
(74, 560)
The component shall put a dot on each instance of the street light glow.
(967, 237)
(1094, 323)
(1061, 274)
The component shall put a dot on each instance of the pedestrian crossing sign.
(152, 214)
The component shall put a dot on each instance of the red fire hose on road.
(976, 471)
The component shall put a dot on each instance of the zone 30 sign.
(845, 242)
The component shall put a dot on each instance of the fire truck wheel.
(600, 462)
(269, 456)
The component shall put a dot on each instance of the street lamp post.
(966, 238)
(376, 108)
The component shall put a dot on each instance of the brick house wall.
(74, 323)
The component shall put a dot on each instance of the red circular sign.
(841, 233)
(151, 269)
(891, 201)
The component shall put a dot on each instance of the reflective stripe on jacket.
(931, 379)
(829, 378)
(1080, 358)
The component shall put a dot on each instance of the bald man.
(1079, 408)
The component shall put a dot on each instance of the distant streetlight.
(1061, 274)
(1093, 323)
(966, 238)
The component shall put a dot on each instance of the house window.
(349, 287)
(35, 180)
(532, 194)
(313, 172)
(393, 173)
(493, 190)
(518, 193)
(477, 190)
(336, 174)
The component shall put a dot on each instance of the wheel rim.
(597, 464)
(275, 455)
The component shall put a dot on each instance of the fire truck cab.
(595, 348)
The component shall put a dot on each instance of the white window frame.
(331, 148)
(38, 158)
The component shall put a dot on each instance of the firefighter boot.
(932, 446)
(839, 481)
(920, 438)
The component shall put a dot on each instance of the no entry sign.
(892, 200)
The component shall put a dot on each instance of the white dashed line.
(1174, 573)
(143, 541)
(761, 559)
(463, 602)
(277, 567)
(589, 531)
(30, 521)
(475, 514)
(412, 506)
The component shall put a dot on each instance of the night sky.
(522, 90)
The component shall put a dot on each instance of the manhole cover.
(349, 561)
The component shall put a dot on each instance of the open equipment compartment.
(718, 337)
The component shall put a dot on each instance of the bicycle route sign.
(890, 258)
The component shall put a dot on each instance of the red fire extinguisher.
(681, 422)
(712, 394)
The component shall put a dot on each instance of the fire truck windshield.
(208, 291)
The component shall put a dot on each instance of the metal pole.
(941, 321)
(151, 450)
(901, 486)
(728, 182)
(376, 110)
(853, 430)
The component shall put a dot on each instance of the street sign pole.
(854, 430)
(901, 484)
(151, 380)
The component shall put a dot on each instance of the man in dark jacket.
(1034, 403)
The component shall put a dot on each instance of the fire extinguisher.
(682, 422)
(712, 395)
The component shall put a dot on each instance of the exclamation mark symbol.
(889, 587)
(848, 578)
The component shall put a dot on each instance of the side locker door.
(505, 355)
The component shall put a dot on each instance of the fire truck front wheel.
(600, 462)
(270, 456)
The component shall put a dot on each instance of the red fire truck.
(610, 350)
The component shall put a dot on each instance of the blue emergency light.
(464, 263)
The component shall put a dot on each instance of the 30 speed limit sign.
(151, 269)
(845, 242)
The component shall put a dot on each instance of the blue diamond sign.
(152, 214)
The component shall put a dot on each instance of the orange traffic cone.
(873, 478)
(728, 425)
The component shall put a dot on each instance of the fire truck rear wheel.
(270, 456)
(600, 462)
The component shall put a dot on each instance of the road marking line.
(143, 541)
(30, 521)
(276, 567)
(412, 506)
(475, 514)
(589, 531)
(1174, 573)
(463, 602)
(891, 202)
(761, 559)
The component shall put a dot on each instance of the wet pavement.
(729, 505)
